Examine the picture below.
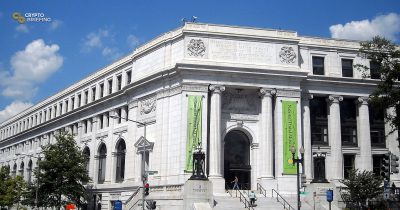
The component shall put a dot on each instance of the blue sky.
(38, 60)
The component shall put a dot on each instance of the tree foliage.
(60, 174)
(11, 188)
(386, 55)
(361, 186)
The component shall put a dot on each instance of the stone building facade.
(262, 91)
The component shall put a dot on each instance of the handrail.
(261, 189)
(133, 195)
(284, 201)
(227, 189)
(243, 199)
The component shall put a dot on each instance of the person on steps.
(252, 197)
(235, 185)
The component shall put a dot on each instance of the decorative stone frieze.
(287, 55)
(196, 48)
(147, 106)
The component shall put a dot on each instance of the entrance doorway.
(237, 159)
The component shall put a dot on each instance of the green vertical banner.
(194, 119)
(289, 116)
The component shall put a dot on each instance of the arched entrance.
(237, 158)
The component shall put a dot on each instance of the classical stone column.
(335, 138)
(216, 150)
(364, 137)
(266, 141)
(308, 156)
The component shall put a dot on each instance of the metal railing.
(261, 190)
(243, 199)
(282, 201)
(242, 196)
(130, 199)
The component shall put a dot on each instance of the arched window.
(14, 171)
(29, 170)
(120, 169)
(102, 163)
(21, 169)
(86, 153)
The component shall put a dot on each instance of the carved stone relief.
(196, 48)
(287, 55)
(146, 106)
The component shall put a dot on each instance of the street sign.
(117, 205)
(329, 195)
(152, 172)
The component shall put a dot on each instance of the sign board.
(329, 195)
(118, 205)
(152, 172)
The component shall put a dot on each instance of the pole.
(37, 184)
(144, 164)
(298, 186)
(330, 207)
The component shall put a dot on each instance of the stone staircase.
(226, 202)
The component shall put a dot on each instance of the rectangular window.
(101, 90)
(119, 82)
(348, 121)
(347, 67)
(374, 70)
(101, 122)
(110, 86)
(72, 103)
(119, 111)
(348, 164)
(318, 65)
(319, 121)
(93, 93)
(55, 110)
(377, 126)
(86, 97)
(90, 125)
(128, 77)
(61, 108)
(79, 100)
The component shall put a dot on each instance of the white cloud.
(387, 26)
(30, 67)
(133, 41)
(112, 53)
(23, 28)
(13, 109)
(95, 40)
(101, 40)
(55, 24)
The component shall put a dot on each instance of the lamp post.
(144, 152)
(298, 161)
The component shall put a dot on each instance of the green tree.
(361, 186)
(62, 172)
(385, 55)
(11, 188)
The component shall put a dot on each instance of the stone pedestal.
(198, 194)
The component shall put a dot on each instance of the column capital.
(335, 98)
(217, 88)
(306, 96)
(362, 100)
(266, 92)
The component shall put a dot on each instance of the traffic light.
(303, 181)
(151, 204)
(146, 189)
(385, 169)
(394, 165)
